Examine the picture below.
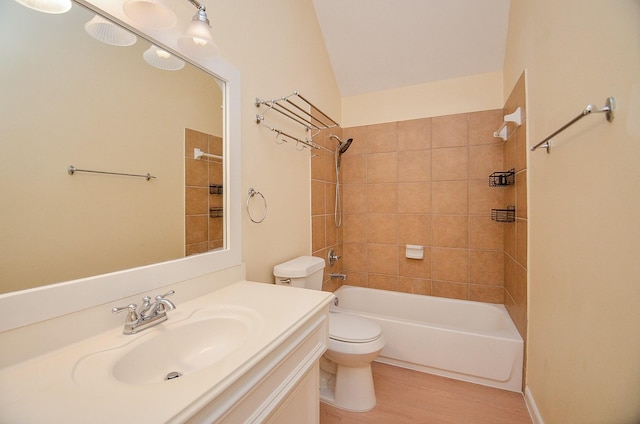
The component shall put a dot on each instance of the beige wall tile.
(414, 285)
(330, 231)
(318, 197)
(355, 257)
(484, 160)
(482, 125)
(196, 229)
(450, 197)
(450, 164)
(509, 238)
(490, 294)
(330, 198)
(486, 267)
(449, 131)
(358, 279)
(485, 233)
(216, 229)
(318, 165)
(450, 231)
(414, 229)
(353, 168)
(414, 166)
(359, 135)
(416, 268)
(196, 201)
(450, 290)
(215, 173)
(414, 134)
(382, 198)
(354, 198)
(355, 228)
(382, 167)
(520, 137)
(383, 282)
(382, 228)
(521, 242)
(318, 239)
(196, 173)
(382, 259)
(483, 198)
(414, 198)
(382, 138)
(521, 194)
(450, 264)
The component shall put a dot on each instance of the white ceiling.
(376, 45)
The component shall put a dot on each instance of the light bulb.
(47, 6)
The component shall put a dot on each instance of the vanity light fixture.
(152, 14)
(109, 33)
(47, 6)
(198, 40)
(162, 59)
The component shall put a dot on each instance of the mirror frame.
(70, 296)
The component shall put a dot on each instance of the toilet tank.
(303, 271)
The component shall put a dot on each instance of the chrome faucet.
(148, 315)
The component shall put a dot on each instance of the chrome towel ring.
(253, 193)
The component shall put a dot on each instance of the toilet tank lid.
(302, 266)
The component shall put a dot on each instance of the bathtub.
(470, 341)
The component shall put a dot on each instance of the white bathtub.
(465, 340)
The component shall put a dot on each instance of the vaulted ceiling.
(376, 45)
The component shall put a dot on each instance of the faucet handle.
(163, 304)
(162, 296)
(131, 308)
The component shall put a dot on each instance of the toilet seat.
(352, 329)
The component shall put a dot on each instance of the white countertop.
(43, 389)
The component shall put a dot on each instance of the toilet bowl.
(354, 342)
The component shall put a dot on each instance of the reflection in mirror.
(68, 99)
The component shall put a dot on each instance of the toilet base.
(353, 390)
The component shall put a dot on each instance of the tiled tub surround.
(425, 182)
(325, 234)
(516, 234)
(202, 231)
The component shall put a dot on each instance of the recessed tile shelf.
(504, 215)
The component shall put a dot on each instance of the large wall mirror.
(71, 100)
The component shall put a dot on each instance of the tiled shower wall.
(202, 231)
(325, 234)
(515, 234)
(424, 182)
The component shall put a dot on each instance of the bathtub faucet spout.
(336, 275)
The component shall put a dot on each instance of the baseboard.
(536, 418)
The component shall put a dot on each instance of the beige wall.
(584, 208)
(459, 95)
(278, 48)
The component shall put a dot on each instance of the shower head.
(345, 145)
(342, 145)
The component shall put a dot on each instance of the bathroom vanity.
(246, 352)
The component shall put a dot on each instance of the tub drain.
(172, 375)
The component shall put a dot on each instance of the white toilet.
(354, 342)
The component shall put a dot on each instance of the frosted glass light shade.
(150, 13)
(197, 41)
(47, 6)
(162, 59)
(109, 33)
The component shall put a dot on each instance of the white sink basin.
(172, 349)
